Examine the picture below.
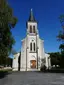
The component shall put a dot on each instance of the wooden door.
(33, 63)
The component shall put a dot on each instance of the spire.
(31, 17)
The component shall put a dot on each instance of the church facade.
(32, 56)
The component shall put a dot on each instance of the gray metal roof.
(31, 17)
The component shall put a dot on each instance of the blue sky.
(46, 13)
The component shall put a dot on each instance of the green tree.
(55, 58)
(7, 22)
(61, 33)
(61, 38)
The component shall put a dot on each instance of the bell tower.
(32, 41)
(31, 24)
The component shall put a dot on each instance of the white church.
(32, 56)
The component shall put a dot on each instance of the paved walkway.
(33, 78)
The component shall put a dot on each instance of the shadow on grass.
(3, 74)
(54, 71)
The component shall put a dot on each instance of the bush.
(43, 68)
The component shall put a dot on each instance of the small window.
(30, 29)
(33, 29)
(34, 46)
(30, 46)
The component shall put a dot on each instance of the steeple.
(31, 17)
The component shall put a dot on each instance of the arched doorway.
(33, 64)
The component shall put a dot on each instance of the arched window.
(33, 29)
(30, 29)
(30, 46)
(34, 46)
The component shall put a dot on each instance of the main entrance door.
(33, 63)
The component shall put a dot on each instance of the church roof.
(31, 17)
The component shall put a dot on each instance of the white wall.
(15, 62)
(48, 62)
(23, 55)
